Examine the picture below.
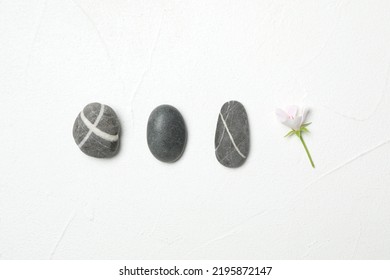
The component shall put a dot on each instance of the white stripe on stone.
(231, 137)
(223, 132)
(93, 128)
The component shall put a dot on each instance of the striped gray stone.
(232, 135)
(96, 131)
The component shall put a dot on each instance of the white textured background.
(58, 55)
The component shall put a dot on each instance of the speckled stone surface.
(166, 133)
(96, 131)
(232, 135)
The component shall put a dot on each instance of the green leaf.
(306, 124)
(304, 129)
(292, 132)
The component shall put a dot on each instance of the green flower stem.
(307, 150)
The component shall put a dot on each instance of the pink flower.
(293, 117)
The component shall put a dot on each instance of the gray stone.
(166, 133)
(232, 135)
(96, 131)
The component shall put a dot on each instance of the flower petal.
(292, 110)
(281, 115)
(293, 123)
(304, 115)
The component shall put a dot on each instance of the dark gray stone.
(166, 133)
(96, 131)
(232, 135)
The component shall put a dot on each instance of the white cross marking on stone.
(93, 128)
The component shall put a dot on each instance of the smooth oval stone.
(96, 131)
(166, 133)
(232, 135)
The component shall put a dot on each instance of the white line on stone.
(93, 128)
(86, 122)
(231, 137)
(223, 132)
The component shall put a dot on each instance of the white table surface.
(332, 56)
